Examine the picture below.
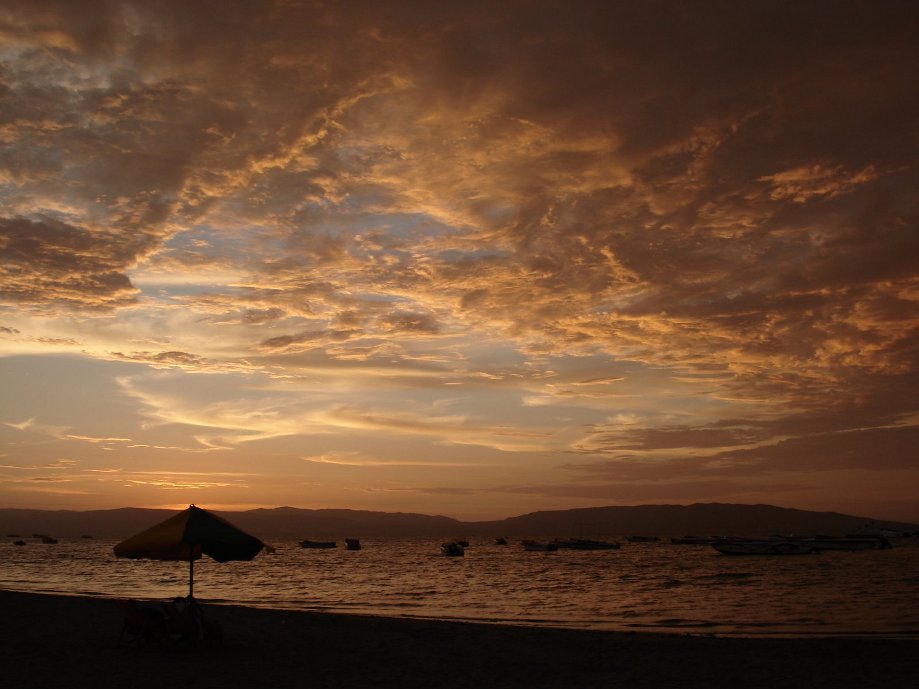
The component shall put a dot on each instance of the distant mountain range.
(290, 522)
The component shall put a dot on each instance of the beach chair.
(142, 623)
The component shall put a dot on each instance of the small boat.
(741, 546)
(586, 544)
(642, 539)
(500, 541)
(538, 547)
(318, 544)
(19, 542)
(692, 540)
(48, 539)
(848, 543)
(352, 544)
(452, 549)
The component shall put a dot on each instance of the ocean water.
(641, 587)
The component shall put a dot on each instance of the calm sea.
(641, 587)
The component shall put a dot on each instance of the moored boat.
(642, 539)
(538, 546)
(691, 540)
(741, 546)
(848, 543)
(452, 549)
(318, 544)
(352, 544)
(585, 544)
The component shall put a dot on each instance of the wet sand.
(64, 641)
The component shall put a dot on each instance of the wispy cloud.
(356, 459)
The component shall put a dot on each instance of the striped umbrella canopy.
(189, 535)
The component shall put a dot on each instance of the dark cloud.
(424, 323)
(259, 316)
(165, 359)
(876, 449)
(307, 340)
(691, 490)
(50, 262)
(669, 438)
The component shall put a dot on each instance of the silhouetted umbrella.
(188, 535)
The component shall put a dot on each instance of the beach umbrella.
(189, 535)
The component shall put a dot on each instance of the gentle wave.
(660, 587)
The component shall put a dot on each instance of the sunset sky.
(472, 259)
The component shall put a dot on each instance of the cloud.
(407, 323)
(98, 441)
(804, 183)
(306, 340)
(356, 459)
(165, 359)
(33, 425)
(50, 262)
(707, 210)
(873, 450)
(449, 429)
(55, 465)
(686, 491)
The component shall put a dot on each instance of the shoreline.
(572, 627)
(64, 640)
(701, 632)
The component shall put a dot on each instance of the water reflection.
(656, 587)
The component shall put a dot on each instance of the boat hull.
(586, 544)
(318, 544)
(740, 547)
(847, 543)
(452, 550)
(536, 547)
(691, 540)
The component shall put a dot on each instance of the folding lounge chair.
(187, 620)
(142, 623)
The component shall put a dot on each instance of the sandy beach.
(64, 641)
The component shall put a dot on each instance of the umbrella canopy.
(188, 535)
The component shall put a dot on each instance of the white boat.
(740, 546)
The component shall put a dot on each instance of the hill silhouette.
(283, 522)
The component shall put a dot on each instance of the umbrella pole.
(191, 576)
